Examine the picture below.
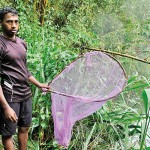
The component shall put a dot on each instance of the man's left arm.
(43, 87)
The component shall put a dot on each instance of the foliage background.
(55, 31)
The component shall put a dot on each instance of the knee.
(7, 141)
(23, 129)
(6, 137)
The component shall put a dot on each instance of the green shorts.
(24, 113)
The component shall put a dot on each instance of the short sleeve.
(2, 47)
(28, 72)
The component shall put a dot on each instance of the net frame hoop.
(80, 56)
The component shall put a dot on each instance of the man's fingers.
(13, 118)
(16, 118)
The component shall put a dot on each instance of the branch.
(116, 53)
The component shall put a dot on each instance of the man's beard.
(8, 33)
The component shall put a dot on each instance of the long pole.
(116, 53)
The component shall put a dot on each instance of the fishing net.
(81, 89)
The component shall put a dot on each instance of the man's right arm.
(8, 111)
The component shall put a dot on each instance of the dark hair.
(6, 10)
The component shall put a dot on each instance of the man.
(15, 93)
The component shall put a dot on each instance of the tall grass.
(146, 121)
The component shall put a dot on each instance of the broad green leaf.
(146, 99)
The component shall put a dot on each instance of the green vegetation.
(55, 31)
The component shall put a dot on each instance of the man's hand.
(8, 111)
(45, 88)
(10, 114)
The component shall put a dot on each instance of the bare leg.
(8, 142)
(23, 137)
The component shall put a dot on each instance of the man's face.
(10, 25)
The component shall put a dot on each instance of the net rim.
(85, 99)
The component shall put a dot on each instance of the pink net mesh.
(81, 89)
